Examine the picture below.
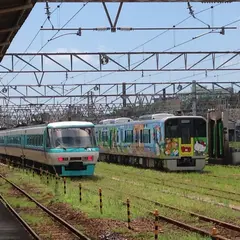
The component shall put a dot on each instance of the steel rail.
(170, 220)
(20, 219)
(63, 222)
(212, 189)
(202, 217)
(224, 177)
(180, 224)
(194, 185)
(192, 228)
(209, 194)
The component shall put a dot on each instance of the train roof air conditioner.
(116, 120)
(155, 116)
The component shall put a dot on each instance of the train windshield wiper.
(87, 147)
(60, 144)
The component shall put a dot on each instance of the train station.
(119, 120)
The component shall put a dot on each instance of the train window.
(47, 140)
(38, 140)
(129, 136)
(155, 135)
(136, 136)
(100, 136)
(146, 136)
(117, 136)
(200, 128)
(104, 136)
(141, 136)
(186, 133)
(41, 140)
(171, 128)
(121, 135)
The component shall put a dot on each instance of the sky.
(132, 15)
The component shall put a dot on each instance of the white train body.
(67, 147)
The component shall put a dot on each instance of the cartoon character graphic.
(175, 152)
(157, 136)
(200, 146)
(171, 147)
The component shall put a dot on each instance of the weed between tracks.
(118, 183)
(41, 223)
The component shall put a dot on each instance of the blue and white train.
(65, 148)
(160, 141)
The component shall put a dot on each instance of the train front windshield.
(185, 128)
(72, 137)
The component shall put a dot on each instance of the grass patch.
(35, 219)
(119, 182)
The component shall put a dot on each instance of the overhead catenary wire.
(180, 44)
(49, 41)
(235, 21)
(110, 73)
(150, 40)
(30, 44)
(192, 39)
(141, 45)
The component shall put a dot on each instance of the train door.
(138, 142)
(113, 138)
(216, 148)
(147, 139)
(47, 145)
(156, 140)
(110, 138)
(186, 141)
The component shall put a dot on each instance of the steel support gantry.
(97, 101)
(121, 62)
(109, 90)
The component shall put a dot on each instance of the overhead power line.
(49, 41)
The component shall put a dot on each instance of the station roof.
(203, 1)
(13, 14)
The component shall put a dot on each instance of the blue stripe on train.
(60, 150)
(88, 172)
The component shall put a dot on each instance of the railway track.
(226, 230)
(234, 177)
(231, 198)
(235, 196)
(72, 232)
(195, 198)
(9, 232)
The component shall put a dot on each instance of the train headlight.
(90, 158)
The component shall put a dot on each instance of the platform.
(10, 227)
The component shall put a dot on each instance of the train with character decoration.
(161, 141)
